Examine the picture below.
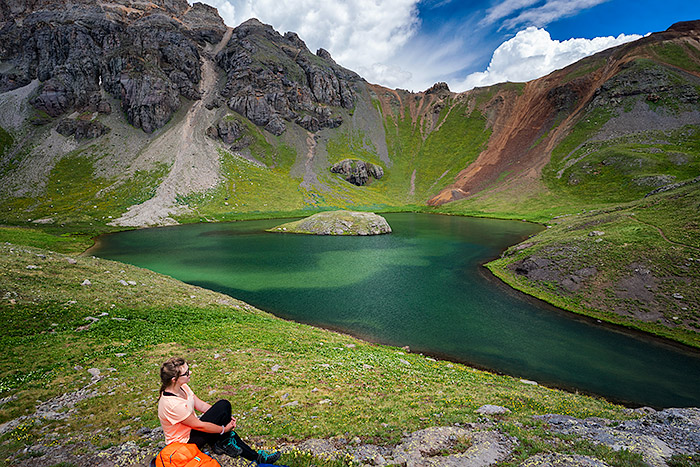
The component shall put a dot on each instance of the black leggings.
(220, 414)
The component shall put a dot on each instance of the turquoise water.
(421, 286)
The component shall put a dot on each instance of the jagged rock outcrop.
(273, 79)
(231, 132)
(81, 130)
(357, 172)
(438, 88)
(144, 54)
(204, 23)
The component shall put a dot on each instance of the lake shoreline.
(664, 333)
(219, 241)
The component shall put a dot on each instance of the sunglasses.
(187, 373)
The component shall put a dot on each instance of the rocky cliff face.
(144, 54)
(147, 55)
(273, 79)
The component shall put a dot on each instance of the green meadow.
(57, 328)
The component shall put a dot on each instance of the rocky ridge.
(143, 54)
(147, 55)
(623, 83)
(273, 79)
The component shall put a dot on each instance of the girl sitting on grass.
(176, 408)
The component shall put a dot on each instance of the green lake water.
(421, 286)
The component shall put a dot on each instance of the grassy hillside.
(75, 193)
(644, 255)
(270, 174)
(56, 329)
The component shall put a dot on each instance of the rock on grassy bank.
(663, 438)
(337, 223)
(658, 438)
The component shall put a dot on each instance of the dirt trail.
(663, 235)
(310, 178)
(193, 156)
(412, 191)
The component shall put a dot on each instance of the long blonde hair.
(169, 370)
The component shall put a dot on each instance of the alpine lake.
(422, 286)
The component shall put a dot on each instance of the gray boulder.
(81, 130)
(357, 172)
(228, 130)
(337, 223)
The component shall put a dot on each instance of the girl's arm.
(200, 405)
(196, 424)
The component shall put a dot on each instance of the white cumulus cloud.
(532, 54)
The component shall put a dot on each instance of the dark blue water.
(421, 286)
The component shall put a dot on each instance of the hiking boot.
(265, 457)
(227, 446)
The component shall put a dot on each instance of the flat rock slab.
(492, 410)
(337, 223)
(440, 446)
(656, 436)
(430, 447)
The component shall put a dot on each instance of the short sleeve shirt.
(172, 410)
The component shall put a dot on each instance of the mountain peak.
(685, 26)
(438, 88)
(254, 22)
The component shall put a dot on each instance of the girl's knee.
(223, 404)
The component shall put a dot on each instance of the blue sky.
(412, 44)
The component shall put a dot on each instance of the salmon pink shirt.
(172, 410)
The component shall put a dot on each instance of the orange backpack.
(184, 455)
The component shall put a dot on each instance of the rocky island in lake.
(337, 223)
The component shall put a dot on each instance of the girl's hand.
(231, 425)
